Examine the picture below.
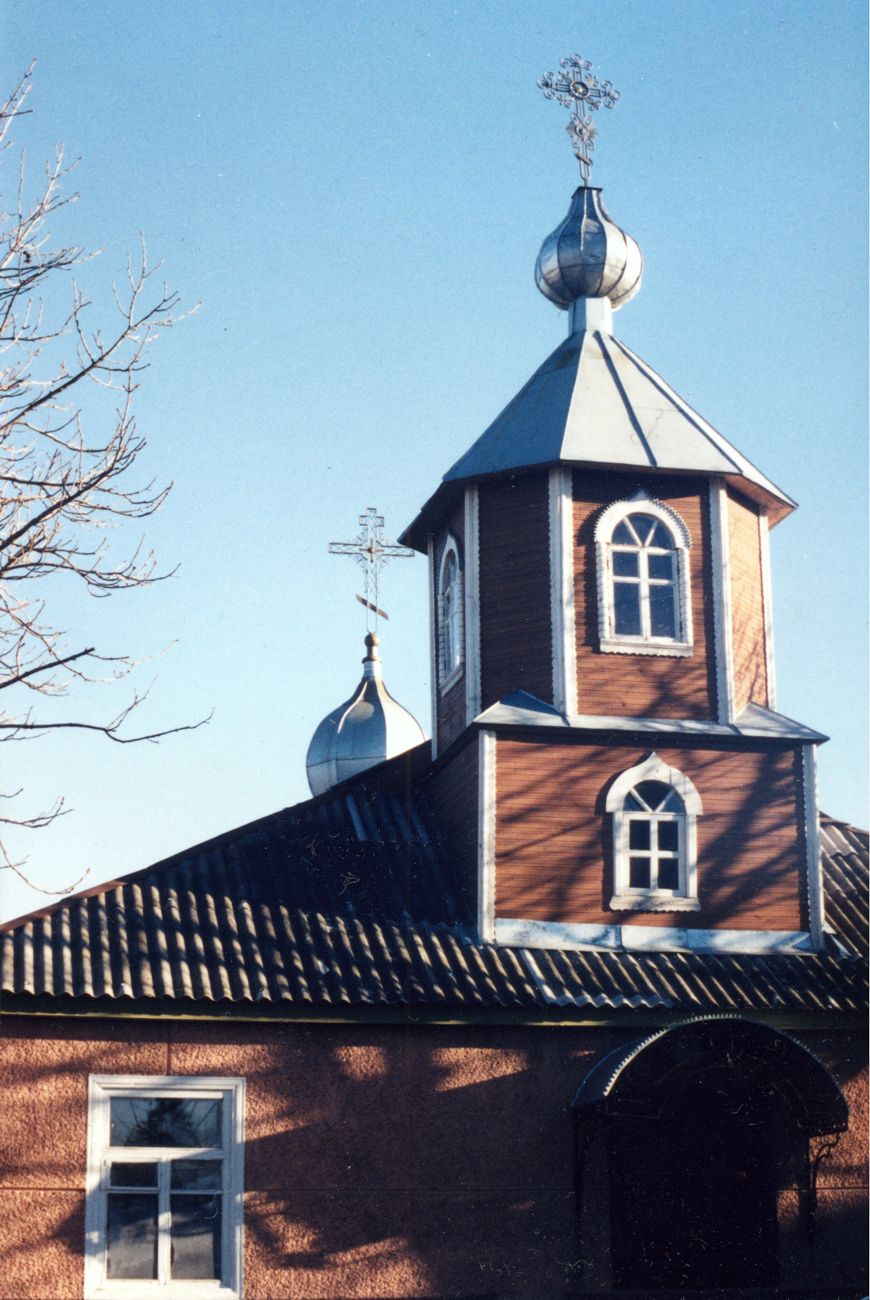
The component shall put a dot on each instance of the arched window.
(643, 579)
(654, 808)
(451, 646)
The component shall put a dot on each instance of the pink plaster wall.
(380, 1161)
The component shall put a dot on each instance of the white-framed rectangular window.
(165, 1181)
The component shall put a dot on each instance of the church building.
(567, 1001)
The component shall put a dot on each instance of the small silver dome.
(365, 730)
(588, 256)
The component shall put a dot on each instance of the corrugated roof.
(349, 900)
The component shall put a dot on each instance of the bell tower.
(602, 642)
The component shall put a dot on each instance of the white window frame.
(628, 898)
(449, 673)
(609, 640)
(102, 1088)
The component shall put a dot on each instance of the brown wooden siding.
(515, 635)
(452, 792)
(450, 705)
(554, 847)
(645, 686)
(747, 604)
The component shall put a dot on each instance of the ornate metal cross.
(371, 551)
(576, 88)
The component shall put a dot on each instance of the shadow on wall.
(379, 1161)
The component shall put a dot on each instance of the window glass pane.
(661, 611)
(196, 1237)
(626, 603)
(622, 535)
(673, 803)
(201, 1175)
(644, 526)
(638, 835)
(131, 1235)
(668, 873)
(668, 836)
(632, 803)
(127, 1174)
(165, 1122)
(661, 537)
(653, 793)
(638, 873)
(661, 566)
(625, 564)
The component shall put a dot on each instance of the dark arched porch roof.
(636, 1079)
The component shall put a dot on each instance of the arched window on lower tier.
(644, 605)
(654, 809)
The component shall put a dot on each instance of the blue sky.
(355, 194)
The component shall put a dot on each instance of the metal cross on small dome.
(372, 551)
(576, 87)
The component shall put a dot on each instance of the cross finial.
(371, 551)
(576, 87)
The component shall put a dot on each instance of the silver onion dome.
(368, 728)
(588, 256)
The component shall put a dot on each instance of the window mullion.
(164, 1221)
(654, 852)
(643, 571)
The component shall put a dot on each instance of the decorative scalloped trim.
(664, 649)
(624, 505)
(654, 903)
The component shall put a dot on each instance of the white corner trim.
(472, 604)
(720, 564)
(562, 620)
(767, 604)
(486, 836)
(650, 938)
(433, 644)
(815, 894)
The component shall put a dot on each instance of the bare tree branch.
(68, 447)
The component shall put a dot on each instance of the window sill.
(452, 678)
(626, 646)
(131, 1289)
(654, 902)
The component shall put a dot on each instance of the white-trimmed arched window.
(655, 847)
(451, 620)
(642, 564)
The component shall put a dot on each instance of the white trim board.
(562, 617)
(433, 647)
(767, 606)
(815, 891)
(720, 568)
(651, 938)
(486, 835)
(472, 604)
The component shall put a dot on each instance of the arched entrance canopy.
(638, 1080)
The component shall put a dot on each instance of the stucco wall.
(380, 1161)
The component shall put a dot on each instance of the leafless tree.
(68, 450)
